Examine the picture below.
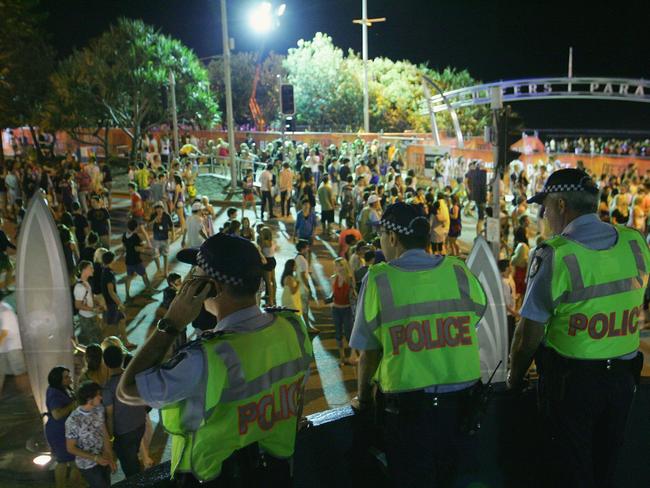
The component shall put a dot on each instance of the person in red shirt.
(345, 242)
(343, 295)
(137, 207)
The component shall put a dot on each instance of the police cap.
(405, 219)
(565, 180)
(228, 259)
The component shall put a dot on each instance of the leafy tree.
(119, 77)
(272, 74)
(26, 61)
(327, 93)
(74, 106)
(242, 72)
(396, 95)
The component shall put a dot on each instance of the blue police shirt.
(589, 231)
(362, 337)
(179, 378)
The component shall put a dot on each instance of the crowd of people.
(337, 194)
(598, 145)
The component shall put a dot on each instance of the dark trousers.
(267, 199)
(285, 202)
(126, 448)
(97, 476)
(585, 412)
(424, 445)
(245, 469)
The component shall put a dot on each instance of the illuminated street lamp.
(263, 19)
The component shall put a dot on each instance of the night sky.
(492, 39)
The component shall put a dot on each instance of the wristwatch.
(165, 325)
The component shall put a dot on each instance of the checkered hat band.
(400, 229)
(562, 188)
(217, 275)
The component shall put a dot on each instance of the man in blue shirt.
(305, 223)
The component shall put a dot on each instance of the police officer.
(580, 313)
(230, 400)
(416, 327)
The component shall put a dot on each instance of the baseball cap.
(565, 180)
(373, 198)
(226, 258)
(196, 206)
(406, 219)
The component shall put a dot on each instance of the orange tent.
(528, 145)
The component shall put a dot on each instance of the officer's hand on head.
(188, 302)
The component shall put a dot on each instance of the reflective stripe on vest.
(579, 292)
(426, 322)
(597, 296)
(391, 312)
(240, 389)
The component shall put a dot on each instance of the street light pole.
(172, 93)
(229, 116)
(365, 23)
(364, 36)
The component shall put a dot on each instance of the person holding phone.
(210, 392)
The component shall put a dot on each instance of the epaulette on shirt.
(279, 309)
(209, 334)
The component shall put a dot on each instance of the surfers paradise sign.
(620, 89)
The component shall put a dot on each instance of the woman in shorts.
(249, 192)
(268, 248)
(179, 201)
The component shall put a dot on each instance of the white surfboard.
(493, 327)
(43, 299)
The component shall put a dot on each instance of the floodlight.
(261, 18)
(42, 460)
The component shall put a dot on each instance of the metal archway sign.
(527, 89)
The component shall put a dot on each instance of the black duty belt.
(615, 364)
(414, 400)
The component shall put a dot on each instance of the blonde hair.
(346, 267)
(99, 254)
(113, 341)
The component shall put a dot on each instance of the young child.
(232, 214)
(173, 285)
(509, 296)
